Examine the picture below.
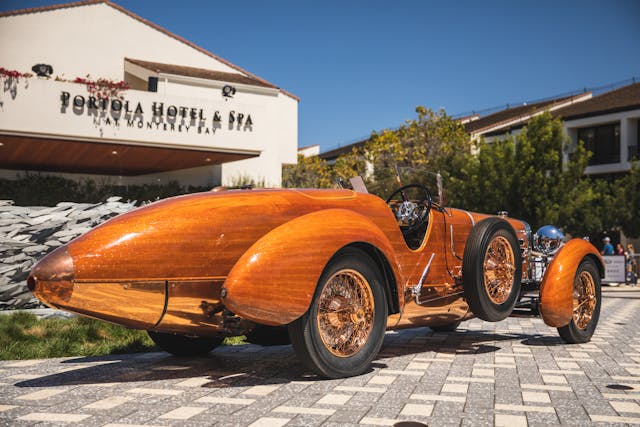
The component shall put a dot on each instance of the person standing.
(619, 249)
(607, 249)
(631, 265)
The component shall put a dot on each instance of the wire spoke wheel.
(343, 329)
(499, 269)
(345, 313)
(584, 299)
(492, 269)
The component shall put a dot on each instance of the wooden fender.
(556, 290)
(274, 281)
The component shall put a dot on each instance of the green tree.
(484, 182)
(349, 165)
(309, 172)
(537, 176)
(584, 202)
(244, 180)
(433, 142)
(527, 177)
(626, 202)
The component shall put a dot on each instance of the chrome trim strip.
(453, 251)
(417, 289)
(473, 221)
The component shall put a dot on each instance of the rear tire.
(587, 297)
(343, 329)
(492, 269)
(184, 346)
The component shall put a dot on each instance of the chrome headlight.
(548, 239)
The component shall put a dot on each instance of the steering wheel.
(410, 214)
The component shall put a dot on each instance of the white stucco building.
(608, 124)
(188, 115)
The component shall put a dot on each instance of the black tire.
(450, 327)
(322, 348)
(269, 335)
(575, 332)
(184, 346)
(497, 304)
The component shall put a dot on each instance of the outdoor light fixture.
(228, 91)
(42, 70)
(114, 152)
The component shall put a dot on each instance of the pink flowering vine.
(104, 88)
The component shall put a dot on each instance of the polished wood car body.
(220, 263)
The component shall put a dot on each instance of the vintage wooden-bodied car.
(335, 267)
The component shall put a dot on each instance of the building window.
(603, 142)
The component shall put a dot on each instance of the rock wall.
(29, 233)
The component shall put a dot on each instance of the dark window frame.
(604, 143)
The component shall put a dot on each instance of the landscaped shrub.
(35, 189)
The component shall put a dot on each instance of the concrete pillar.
(625, 140)
(632, 136)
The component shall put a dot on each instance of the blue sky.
(364, 65)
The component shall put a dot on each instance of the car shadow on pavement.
(250, 365)
(454, 343)
(224, 367)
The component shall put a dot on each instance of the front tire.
(587, 296)
(184, 346)
(492, 269)
(343, 329)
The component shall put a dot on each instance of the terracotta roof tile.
(335, 152)
(50, 7)
(622, 99)
(202, 73)
(150, 24)
(515, 113)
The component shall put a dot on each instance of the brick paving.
(512, 373)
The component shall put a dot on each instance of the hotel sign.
(197, 119)
(156, 115)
